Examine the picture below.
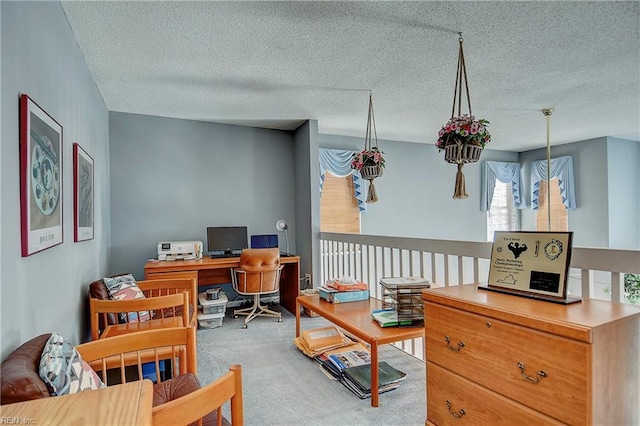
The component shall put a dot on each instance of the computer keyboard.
(228, 256)
(225, 256)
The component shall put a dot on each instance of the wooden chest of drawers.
(499, 359)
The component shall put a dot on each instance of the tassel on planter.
(460, 191)
(372, 197)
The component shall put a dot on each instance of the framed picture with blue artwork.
(40, 178)
(82, 194)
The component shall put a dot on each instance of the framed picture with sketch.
(531, 264)
(82, 194)
(40, 178)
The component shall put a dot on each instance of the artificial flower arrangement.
(370, 157)
(465, 129)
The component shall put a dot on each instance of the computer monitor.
(264, 241)
(226, 240)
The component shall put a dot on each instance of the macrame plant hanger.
(460, 191)
(371, 172)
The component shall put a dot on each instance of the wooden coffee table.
(130, 403)
(355, 319)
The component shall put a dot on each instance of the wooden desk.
(209, 271)
(127, 404)
(132, 327)
(355, 318)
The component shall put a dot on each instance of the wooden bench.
(355, 319)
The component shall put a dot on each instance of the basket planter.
(369, 162)
(462, 154)
(371, 172)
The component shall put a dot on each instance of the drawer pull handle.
(455, 414)
(536, 379)
(453, 348)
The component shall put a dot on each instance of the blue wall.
(590, 221)
(172, 178)
(47, 291)
(623, 160)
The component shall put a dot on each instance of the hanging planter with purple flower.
(463, 137)
(369, 162)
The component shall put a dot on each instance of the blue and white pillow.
(125, 287)
(63, 370)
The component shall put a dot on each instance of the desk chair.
(258, 274)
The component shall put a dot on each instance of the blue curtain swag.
(338, 163)
(561, 168)
(504, 172)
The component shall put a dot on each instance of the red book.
(347, 284)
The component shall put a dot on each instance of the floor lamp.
(547, 113)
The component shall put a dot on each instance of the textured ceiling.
(276, 64)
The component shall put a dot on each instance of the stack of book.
(342, 290)
(346, 361)
(320, 340)
(351, 365)
(389, 318)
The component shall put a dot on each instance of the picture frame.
(83, 195)
(532, 264)
(41, 178)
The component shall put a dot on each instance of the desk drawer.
(494, 353)
(168, 275)
(480, 406)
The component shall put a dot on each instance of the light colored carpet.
(282, 386)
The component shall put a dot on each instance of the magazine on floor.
(360, 375)
(319, 340)
(367, 394)
(336, 360)
(351, 366)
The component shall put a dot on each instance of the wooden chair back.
(176, 344)
(157, 307)
(165, 286)
(205, 400)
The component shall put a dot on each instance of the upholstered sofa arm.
(20, 373)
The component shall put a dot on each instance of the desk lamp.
(281, 225)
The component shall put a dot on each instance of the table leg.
(297, 319)
(374, 373)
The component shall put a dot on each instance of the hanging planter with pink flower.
(463, 137)
(369, 162)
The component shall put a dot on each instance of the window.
(503, 214)
(559, 219)
(339, 210)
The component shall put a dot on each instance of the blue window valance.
(505, 173)
(338, 163)
(561, 168)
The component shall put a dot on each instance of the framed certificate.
(531, 264)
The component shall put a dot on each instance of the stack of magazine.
(347, 362)
(319, 340)
(389, 318)
(351, 365)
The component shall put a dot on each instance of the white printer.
(180, 250)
